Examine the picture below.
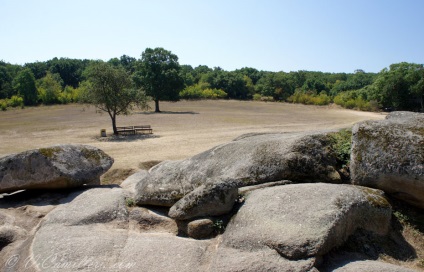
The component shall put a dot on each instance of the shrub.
(257, 97)
(341, 143)
(355, 100)
(3, 105)
(202, 91)
(309, 99)
(15, 101)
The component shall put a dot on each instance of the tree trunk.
(113, 117)
(157, 106)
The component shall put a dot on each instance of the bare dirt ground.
(182, 130)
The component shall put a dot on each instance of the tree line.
(157, 74)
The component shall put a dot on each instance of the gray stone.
(374, 266)
(249, 160)
(200, 229)
(145, 220)
(389, 155)
(55, 167)
(248, 189)
(261, 260)
(97, 205)
(306, 220)
(206, 200)
(102, 247)
(130, 183)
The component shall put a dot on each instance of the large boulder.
(55, 167)
(302, 221)
(248, 160)
(389, 155)
(78, 236)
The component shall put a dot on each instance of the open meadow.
(183, 129)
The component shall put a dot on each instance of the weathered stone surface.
(373, 266)
(200, 229)
(248, 189)
(261, 260)
(206, 200)
(9, 234)
(389, 155)
(249, 160)
(61, 166)
(146, 220)
(130, 183)
(97, 205)
(306, 220)
(100, 247)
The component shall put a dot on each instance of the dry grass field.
(183, 129)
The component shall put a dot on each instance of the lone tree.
(158, 74)
(24, 84)
(111, 90)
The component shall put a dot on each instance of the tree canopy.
(158, 74)
(111, 90)
(398, 87)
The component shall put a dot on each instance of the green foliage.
(130, 202)
(310, 99)
(110, 89)
(257, 97)
(15, 101)
(218, 226)
(49, 89)
(3, 105)
(24, 84)
(202, 91)
(341, 143)
(158, 75)
(355, 100)
(400, 87)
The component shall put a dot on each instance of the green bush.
(341, 143)
(257, 97)
(3, 105)
(355, 100)
(309, 99)
(15, 101)
(202, 91)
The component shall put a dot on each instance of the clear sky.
(280, 35)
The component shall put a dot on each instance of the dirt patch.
(184, 129)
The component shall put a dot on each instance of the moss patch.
(49, 152)
(92, 155)
(375, 199)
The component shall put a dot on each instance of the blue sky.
(314, 35)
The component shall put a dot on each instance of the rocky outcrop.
(248, 160)
(301, 221)
(61, 166)
(389, 155)
(206, 200)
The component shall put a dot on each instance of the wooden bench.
(145, 128)
(134, 129)
(125, 130)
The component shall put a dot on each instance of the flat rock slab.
(249, 160)
(301, 221)
(61, 166)
(389, 155)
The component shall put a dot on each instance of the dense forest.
(63, 80)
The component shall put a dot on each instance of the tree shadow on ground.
(125, 138)
(167, 112)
